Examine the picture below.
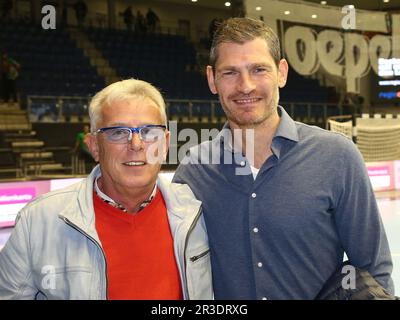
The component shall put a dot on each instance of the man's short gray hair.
(124, 90)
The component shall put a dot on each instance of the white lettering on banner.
(357, 59)
(388, 67)
(349, 55)
(373, 172)
(16, 197)
(379, 47)
(301, 49)
(393, 83)
(330, 51)
(396, 35)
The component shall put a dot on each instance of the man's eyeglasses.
(122, 135)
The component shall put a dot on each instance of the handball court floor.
(389, 205)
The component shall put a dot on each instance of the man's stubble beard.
(272, 109)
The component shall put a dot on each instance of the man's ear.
(210, 79)
(167, 144)
(282, 73)
(91, 141)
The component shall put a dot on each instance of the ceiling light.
(287, 12)
(314, 16)
(258, 8)
(194, 0)
(324, 3)
(386, 1)
(227, 4)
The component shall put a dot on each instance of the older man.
(121, 233)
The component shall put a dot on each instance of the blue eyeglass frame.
(133, 129)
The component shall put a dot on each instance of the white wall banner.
(345, 54)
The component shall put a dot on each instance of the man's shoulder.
(323, 137)
(53, 201)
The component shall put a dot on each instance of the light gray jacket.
(54, 252)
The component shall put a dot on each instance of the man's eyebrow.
(118, 124)
(264, 65)
(249, 66)
(227, 68)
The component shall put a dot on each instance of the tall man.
(294, 198)
(121, 233)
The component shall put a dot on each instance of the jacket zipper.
(96, 243)
(195, 258)
(196, 218)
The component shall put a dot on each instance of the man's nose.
(136, 143)
(246, 84)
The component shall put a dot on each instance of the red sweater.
(139, 251)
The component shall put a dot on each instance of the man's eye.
(260, 70)
(152, 133)
(118, 132)
(228, 73)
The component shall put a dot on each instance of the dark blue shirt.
(283, 234)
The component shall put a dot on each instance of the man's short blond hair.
(242, 30)
(124, 90)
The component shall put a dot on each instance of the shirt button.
(253, 195)
(264, 298)
(255, 230)
(259, 264)
(242, 163)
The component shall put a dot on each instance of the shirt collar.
(115, 204)
(286, 129)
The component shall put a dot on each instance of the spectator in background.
(10, 72)
(140, 25)
(81, 149)
(351, 103)
(81, 12)
(6, 8)
(213, 26)
(64, 14)
(129, 18)
(152, 20)
(2, 79)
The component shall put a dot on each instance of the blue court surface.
(389, 206)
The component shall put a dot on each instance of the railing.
(100, 20)
(75, 109)
(57, 108)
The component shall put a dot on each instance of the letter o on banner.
(357, 60)
(301, 49)
(379, 47)
(330, 51)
